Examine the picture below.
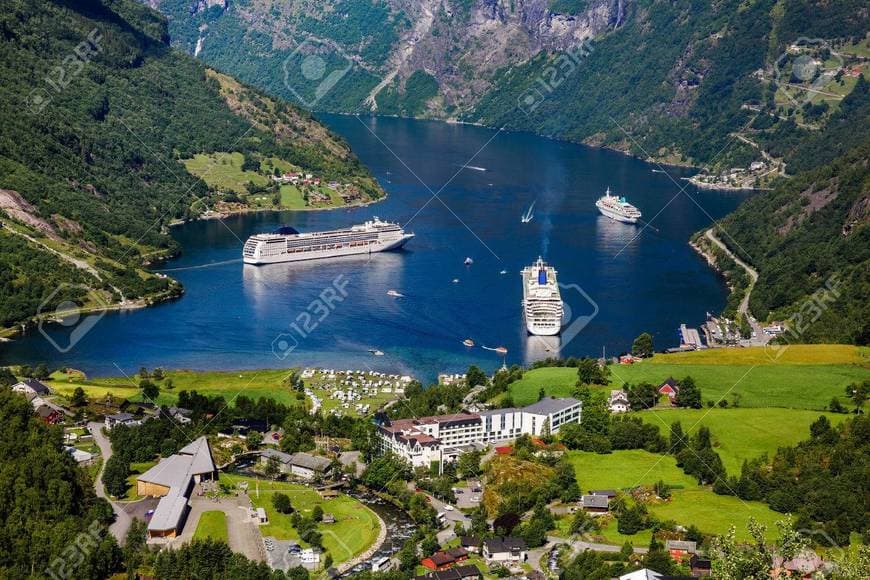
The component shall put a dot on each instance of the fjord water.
(618, 280)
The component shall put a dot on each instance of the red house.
(670, 388)
(445, 559)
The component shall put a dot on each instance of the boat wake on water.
(474, 167)
(529, 215)
(201, 266)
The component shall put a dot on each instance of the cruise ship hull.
(606, 212)
(541, 330)
(542, 304)
(378, 246)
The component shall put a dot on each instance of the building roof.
(595, 501)
(550, 405)
(176, 470)
(683, 545)
(607, 492)
(169, 511)
(469, 541)
(282, 457)
(34, 385)
(455, 573)
(507, 544)
(308, 461)
(121, 417)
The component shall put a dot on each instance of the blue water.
(618, 280)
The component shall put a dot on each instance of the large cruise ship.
(288, 245)
(542, 302)
(616, 208)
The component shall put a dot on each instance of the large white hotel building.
(444, 437)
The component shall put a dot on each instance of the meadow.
(228, 384)
(356, 527)
(797, 379)
(741, 434)
(223, 171)
(689, 503)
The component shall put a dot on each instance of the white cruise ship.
(542, 302)
(616, 208)
(288, 245)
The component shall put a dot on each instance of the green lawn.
(798, 379)
(626, 469)
(223, 171)
(355, 529)
(690, 503)
(254, 384)
(740, 434)
(212, 524)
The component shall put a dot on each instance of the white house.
(618, 402)
(120, 419)
(505, 550)
(31, 388)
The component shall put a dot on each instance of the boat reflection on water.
(613, 237)
(362, 277)
(541, 347)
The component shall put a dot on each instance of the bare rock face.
(462, 50)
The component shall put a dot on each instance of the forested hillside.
(98, 113)
(810, 241)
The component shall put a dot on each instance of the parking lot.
(469, 497)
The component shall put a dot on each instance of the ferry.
(617, 208)
(542, 301)
(288, 245)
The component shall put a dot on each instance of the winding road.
(753, 274)
(122, 518)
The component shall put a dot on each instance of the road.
(744, 304)
(122, 518)
(452, 516)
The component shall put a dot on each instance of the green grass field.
(740, 434)
(223, 171)
(228, 384)
(800, 378)
(690, 503)
(626, 469)
(212, 525)
(356, 527)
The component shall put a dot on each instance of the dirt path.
(80, 264)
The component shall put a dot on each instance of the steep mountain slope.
(810, 240)
(98, 112)
(663, 79)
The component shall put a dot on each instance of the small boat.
(468, 342)
(468, 261)
(376, 352)
(456, 280)
(394, 293)
(503, 272)
(501, 350)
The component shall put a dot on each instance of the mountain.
(670, 80)
(110, 136)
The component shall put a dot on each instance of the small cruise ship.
(542, 301)
(288, 245)
(617, 208)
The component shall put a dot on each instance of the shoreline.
(227, 214)
(371, 550)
